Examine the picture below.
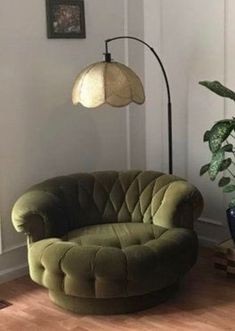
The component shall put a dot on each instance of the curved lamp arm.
(108, 59)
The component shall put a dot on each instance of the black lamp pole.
(108, 59)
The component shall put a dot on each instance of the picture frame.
(65, 19)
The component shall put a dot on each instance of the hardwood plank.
(205, 302)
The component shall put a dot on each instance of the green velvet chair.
(109, 242)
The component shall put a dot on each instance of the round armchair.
(109, 242)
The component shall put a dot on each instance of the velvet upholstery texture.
(109, 242)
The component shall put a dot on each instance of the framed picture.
(65, 19)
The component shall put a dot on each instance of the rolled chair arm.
(40, 215)
(181, 205)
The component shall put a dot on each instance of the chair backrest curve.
(110, 196)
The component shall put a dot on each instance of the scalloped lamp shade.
(112, 83)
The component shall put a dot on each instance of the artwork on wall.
(65, 19)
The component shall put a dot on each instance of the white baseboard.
(13, 263)
(13, 273)
(14, 247)
(211, 231)
(207, 242)
(210, 221)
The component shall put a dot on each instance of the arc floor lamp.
(115, 84)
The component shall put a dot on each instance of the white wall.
(137, 113)
(154, 89)
(41, 133)
(196, 42)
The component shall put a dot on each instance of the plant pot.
(231, 221)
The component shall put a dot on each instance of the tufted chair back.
(69, 202)
(109, 197)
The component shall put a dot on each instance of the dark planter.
(231, 221)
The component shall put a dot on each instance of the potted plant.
(220, 140)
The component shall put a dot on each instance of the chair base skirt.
(111, 306)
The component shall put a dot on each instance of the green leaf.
(224, 181)
(206, 136)
(229, 188)
(219, 133)
(204, 169)
(225, 164)
(232, 203)
(219, 89)
(228, 148)
(216, 163)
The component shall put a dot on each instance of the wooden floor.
(206, 302)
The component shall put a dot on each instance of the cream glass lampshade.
(117, 85)
(112, 83)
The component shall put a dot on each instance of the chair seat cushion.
(119, 235)
(113, 260)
